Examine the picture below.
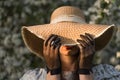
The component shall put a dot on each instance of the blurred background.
(15, 58)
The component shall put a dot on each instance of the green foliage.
(15, 58)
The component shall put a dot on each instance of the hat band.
(71, 18)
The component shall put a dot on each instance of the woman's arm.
(87, 50)
(51, 56)
(86, 77)
(53, 77)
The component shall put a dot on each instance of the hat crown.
(67, 13)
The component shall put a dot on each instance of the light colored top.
(100, 72)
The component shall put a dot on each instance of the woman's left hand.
(87, 51)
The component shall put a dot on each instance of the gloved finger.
(84, 38)
(56, 43)
(51, 41)
(46, 41)
(57, 49)
(90, 37)
(82, 43)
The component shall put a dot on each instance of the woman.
(68, 62)
(65, 58)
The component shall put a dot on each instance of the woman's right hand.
(51, 51)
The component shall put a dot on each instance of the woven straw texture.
(67, 10)
(69, 31)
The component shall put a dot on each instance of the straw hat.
(68, 22)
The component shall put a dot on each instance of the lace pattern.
(105, 72)
(100, 72)
(36, 74)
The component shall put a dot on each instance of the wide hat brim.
(69, 32)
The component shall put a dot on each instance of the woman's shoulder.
(105, 71)
(100, 72)
(35, 74)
